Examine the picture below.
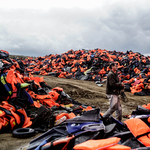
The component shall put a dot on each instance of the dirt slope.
(86, 92)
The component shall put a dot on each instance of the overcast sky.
(43, 27)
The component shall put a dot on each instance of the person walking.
(113, 87)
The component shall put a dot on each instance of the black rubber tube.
(23, 132)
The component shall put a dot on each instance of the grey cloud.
(39, 33)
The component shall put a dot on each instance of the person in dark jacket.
(113, 87)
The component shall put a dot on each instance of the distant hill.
(19, 56)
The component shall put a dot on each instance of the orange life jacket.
(27, 122)
(147, 106)
(12, 121)
(48, 102)
(36, 104)
(3, 122)
(97, 144)
(102, 71)
(57, 89)
(137, 71)
(118, 147)
(10, 111)
(137, 128)
(4, 51)
(44, 99)
(54, 94)
(87, 108)
(11, 117)
(13, 78)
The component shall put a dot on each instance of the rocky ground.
(86, 92)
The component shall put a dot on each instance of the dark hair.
(111, 64)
